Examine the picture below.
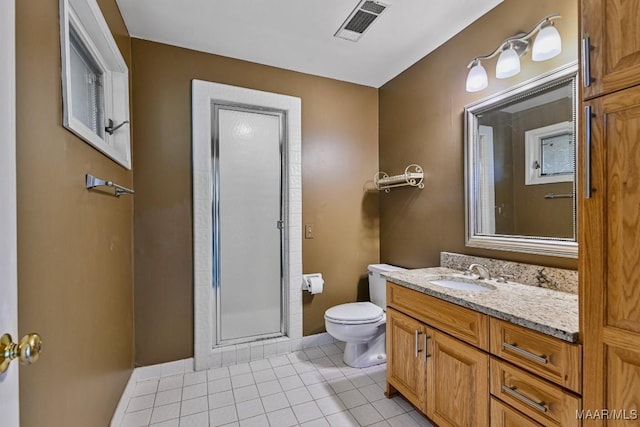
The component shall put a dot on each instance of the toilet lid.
(354, 312)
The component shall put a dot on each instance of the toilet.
(361, 325)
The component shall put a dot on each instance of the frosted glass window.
(556, 154)
(88, 88)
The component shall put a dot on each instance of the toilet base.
(368, 354)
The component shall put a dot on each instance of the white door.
(8, 257)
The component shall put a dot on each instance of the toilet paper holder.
(306, 280)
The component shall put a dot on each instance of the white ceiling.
(298, 34)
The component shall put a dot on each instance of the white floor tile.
(136, 419)
(259, 421)
(246, 393)
(289, 383)
(282, 418)
(330, 405)
(310, 378)
(284, 371)
(269, 387)
(366, 415)
(165, 412)
(241, 368)
(342, 419)
(340, 385)
(264, 375)
(298, 395)
(274, 402)
(167, 397)
(279, 361)
(388, 408)
(196, 420)
(307, 411)
(193, 391)
(169, 423)
(218, 400)
(372, 392)
(169, 383)
(242, 380)
(320, 422)
(141, 402)
(194, 406)
(318, 391)
(222, 416)
(249, 409)
(309, 388)
(220, 385)
(352, 398)
(195, 378)
(217, 373)
(145, 387)
(259, 365)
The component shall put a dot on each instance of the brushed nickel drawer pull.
(586, 61)
(525, 353)
(513, 392)
(416, 343)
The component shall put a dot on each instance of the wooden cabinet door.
(458, 382)
(406, 357)
(613, 60)
(610, 257)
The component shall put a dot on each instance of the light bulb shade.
(477, 78)
(508, 64)
(547, 44)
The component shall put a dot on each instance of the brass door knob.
(27, 350)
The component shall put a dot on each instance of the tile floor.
(310, 388)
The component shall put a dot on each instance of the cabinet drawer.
(463, 323)
(551, 358)
(503, 415)
(546, 403)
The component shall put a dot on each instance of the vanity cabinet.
(465, 368)
(449, 382)
(612, 59)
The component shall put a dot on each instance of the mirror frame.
(549, 246)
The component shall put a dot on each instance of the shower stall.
(247, 231)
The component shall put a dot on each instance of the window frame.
(533, 153)
(92, 30)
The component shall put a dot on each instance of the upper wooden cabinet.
(613, 34)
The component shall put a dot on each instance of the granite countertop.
(551, 312)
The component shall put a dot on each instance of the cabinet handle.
(525, 353)
(587, 152)
(426, 337)
(416, 345)
(513, 392)
(586, 61)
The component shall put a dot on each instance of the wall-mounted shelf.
(412, 176)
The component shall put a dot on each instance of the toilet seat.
(355, 313)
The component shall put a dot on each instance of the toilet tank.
(377, 284)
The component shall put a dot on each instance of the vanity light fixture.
(546, 45)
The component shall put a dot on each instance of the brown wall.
(74, 247)
(339, 155)
(421, 121)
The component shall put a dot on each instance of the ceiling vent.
(359, 21)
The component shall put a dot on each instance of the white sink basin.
(462, 285)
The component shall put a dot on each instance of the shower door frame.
(284, 235)
(206, 353)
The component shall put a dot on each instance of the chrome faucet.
(482, 270)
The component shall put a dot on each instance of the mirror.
(520, 157)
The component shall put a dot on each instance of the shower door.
(248, 212)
